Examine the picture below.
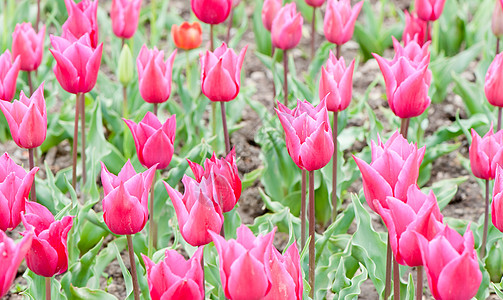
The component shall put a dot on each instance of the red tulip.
(286, 29)
(28, 45)
(124, 15)
(187, 36)
(11, 258)
(270, 9)
(486, 153)
(497, 19)
(339, 22)
(154, 74)
(82, 20)
(8, 75)
(497, 204)
(494, 82)
(429, 10)
(415, 29)
(211, 11)
(285, 273)
(337, 82)
(176, 278)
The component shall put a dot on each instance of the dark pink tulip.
(197, 210)
(308, 134)
(8, 75)
(221, 73)
(429, 10)
(82, 19)
(451, 265)
(153, 140)
(77, 63)
(224, 172)
(394, 167)
(494, 82)
(486, 153)
(417, 55)
(415, 29)
(285, 273)
(154, 74)
(126, 198)
(28, 45)
(497, 204)
(15, 186)
(27, 118)
(211, 11)
(11, 258)
(337, 82)
(339, 22)
(286, 29)
(124, 15)
(175, 278)
(48, 255)
(315, 3)
(497, 19)
(270, 9)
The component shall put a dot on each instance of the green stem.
(187, 71)
(30, 83)
(313, 32)
(153, 27)
(136, 286)
(285, 77)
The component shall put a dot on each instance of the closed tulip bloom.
(339, 21)
(221, 73)
(429, 10)
(270, 9)
(337, 82)
(82, 20)
(497, 19)
(126, 198)
(15, 185)
(28, 45)
(415, 29)
(187, 36)
(308, 134)
(315, 3)
(494, 82)
(285, 273)
(124, 15)
(286, 29)
(154, 141)
(154, 74)
(77, 63)
(175, 278)
(394, 167)
(486, 153)
(451, 265)
(12, 256)
(48, 255)
(8, 75)
(211, 11)
(497, 204)
(27, 118)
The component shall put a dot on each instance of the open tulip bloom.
(12, 256)
(9, 69)
(82, 20)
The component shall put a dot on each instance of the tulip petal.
(240, 285)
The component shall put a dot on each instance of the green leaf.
(250, 178)
(445, 190)
(85, 293)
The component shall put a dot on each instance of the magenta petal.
(240, 285)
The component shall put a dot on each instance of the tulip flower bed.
(251, 149)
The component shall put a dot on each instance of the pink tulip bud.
(221, 73)
(486, 153)
(308, 134)
(28, 45)
(48, 255)
(82, 19)
(339, 22)
(451, 265)
(415, 29)
(154, 141)
(337, 82)
(394, 167)
(15, 185)
(8, 75)
(494, 81)
(285, 273)
(11, 258)
(125, 205)
(497, 204)
(225, 173)
(429, 10)
(27, 118)
(286, 29)
(497, 20)
(154, 74)
(211, 11)
(270, 9)
(77, 63)
(197, 210)
(124, 15)
(175, 278)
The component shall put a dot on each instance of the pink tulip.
(28, 45)
(394, 167)
(270, 9)
(315, 3)
(197, 210)
(126, 198)
(154, 141)
(497, 19)
(418, 56)
(82, 19)
(211, 11)
(429, 10)
(27, 118)
(494, 82)
(224, 172)
(337, 82)
(285, 273)
(308, 134)
(497, 204)
(286, 29)
(8, 75)
(486, 153)
(124, 15)
(415, 29)
(419, 214)
(339, 22)
(15, 186)
(77, 63)
(48, 255)
(154, 74)
(221, 73)
(11, 258)
(176, 278)
(451, 265)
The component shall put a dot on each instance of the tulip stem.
(313, 32)
(499, 119)
(212, 47)
(231, 16)
(338, 51)
(303, 211)
(497, 46)
(214, 123)
(153, 27)
(30, 83)
(396, 280)
(75, 142)
(486, 219)
(38, 16)
(124, 102)
(136, 286)
(404, 127)
(155, 108)
(224, 124)
(123, 40)
(419, 283)
(387, 286)
(83, 134)
(187, 72)
(285, 73)
(273, 63)
(47, 288)
(334, 168)
(204, 277)
(32, 165)
(311, 233)
(152, 243)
